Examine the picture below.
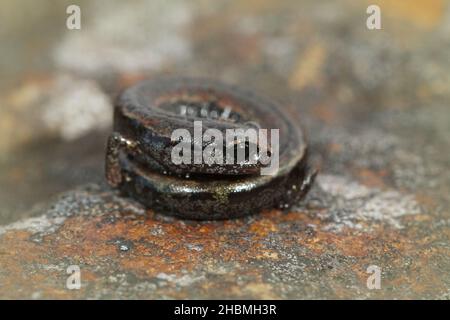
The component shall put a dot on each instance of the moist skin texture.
(138, 152)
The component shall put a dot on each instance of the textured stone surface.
(375, 105)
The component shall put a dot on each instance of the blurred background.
(375, 103)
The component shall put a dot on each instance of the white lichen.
(128, 37)
(353, 205)
(76, 107)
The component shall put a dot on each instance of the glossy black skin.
(138, 153)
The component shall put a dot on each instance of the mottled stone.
(375, 106)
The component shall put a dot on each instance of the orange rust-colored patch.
(308, 69)
(335, 147)
(347, 243)
(223, 248)
(128, 79)
(426, 200)
(423, 13)
(263, 227)
(370, 178)
(325, 113)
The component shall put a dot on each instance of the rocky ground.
(375, 105)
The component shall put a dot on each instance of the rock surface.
(375, 106)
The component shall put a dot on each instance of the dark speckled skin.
(138, 153)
